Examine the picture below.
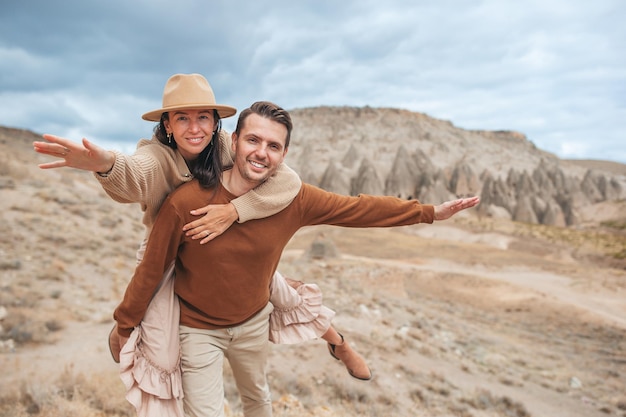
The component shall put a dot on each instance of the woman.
(188, 123)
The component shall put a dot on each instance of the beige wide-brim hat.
(188, 91)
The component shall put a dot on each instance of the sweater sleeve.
(323, 207)
(145, 177)
(123, 183)
(161, 250)
(226, 154)
(139, 177)
(268, 198)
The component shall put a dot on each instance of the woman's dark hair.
(161, 133)
(207, 167)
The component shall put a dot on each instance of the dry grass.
(71, 395)
(447, 325)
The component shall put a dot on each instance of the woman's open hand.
(216, 220)
(86, 155)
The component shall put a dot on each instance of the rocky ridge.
(410, 155)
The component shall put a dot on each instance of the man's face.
(259, 148)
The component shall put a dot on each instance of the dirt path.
(563, 294)
(606, 304)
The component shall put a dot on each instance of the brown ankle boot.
(354, 362)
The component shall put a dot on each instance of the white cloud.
(554, 71)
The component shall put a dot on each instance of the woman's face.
(192, 130)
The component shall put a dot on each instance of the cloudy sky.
(554, 70)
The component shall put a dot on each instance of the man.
(224, 287)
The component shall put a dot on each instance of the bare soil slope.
(472, 317)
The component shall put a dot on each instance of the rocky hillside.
(411, 155)
(477, 316)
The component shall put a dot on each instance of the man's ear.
(233, 144)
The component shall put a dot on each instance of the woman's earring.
(169, 138)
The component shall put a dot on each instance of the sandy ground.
(470, 318)
(453, 315)
(524, 325)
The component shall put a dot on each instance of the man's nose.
(261, 151)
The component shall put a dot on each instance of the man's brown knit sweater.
(226, 282)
